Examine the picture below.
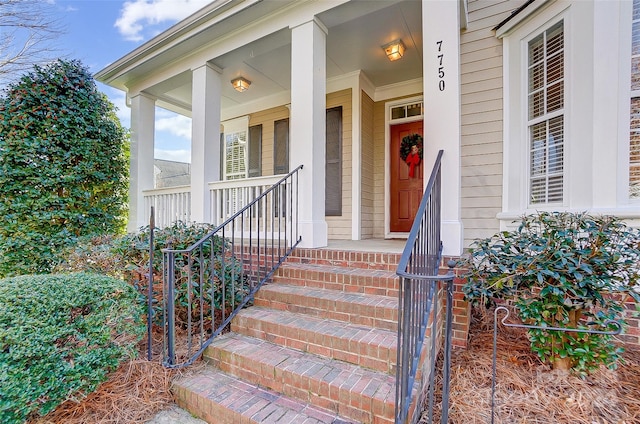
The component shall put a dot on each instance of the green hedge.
(59, 337)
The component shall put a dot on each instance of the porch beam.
(143, 111)
(205, 139)
(441, 80)
(308, 127)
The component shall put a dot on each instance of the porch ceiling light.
(394, 50)
(240, 84)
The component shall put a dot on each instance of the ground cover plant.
(561, 270)
(60, 336)
(63, 166)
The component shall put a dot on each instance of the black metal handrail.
(207, 284)
(419, 302)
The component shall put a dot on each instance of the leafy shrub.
(127, 257)
(63, 166)
(561, 270)
(59, 337)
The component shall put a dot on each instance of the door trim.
(387, 163)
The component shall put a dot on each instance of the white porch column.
(143, 115)
(205, 139)
(308, 128)
(441, 76)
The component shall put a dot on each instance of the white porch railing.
(228, 197)
(170, 204)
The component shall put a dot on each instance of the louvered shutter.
(281, 146)
(255, 151)
(333, 166)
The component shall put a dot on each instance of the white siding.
(482, 122)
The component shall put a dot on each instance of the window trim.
(516, 139)
(545, 117)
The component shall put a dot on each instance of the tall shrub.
(561, 270)
(63, 166)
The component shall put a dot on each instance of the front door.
(406, 177)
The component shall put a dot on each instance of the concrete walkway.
(174, 415)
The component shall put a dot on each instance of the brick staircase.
(318, 346)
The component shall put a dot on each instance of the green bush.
(63, 166)
(127, 257)
(561, 270)
(59, 337)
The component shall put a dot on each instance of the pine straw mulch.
(133, 394)
(528, 391)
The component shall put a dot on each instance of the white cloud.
(138, 15)
(174, 155)
(175, 124)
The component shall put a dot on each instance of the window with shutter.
(546, 116)
(235, 156)
(634, 139)
(333, 166)
(281, 146)
(235, 149)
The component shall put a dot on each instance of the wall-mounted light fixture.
(394, 50)
(241, 84)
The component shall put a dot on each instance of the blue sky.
(98, 32)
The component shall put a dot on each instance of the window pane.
(555, 97)
(555, 68)
(538, 191)
(536, 104)
(556, 145)
(536, 50)
(555, 38)
(538, 149)
(536, 77)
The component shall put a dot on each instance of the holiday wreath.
(408, 142)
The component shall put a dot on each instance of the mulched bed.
(528, 391)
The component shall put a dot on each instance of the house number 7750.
(440, 67)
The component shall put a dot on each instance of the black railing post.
(171, 317)
(150, 291)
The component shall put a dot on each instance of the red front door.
(405, 190)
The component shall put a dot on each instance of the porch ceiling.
(356, 32)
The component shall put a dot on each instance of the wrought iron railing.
(206, 285)
(420, 307)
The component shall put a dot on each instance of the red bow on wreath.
(411, 152)
(413, 159)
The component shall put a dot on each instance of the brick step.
(350, 391)
(346, 258)
(354, 280)
(360, 345)
(354, 308)
(220, 398)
